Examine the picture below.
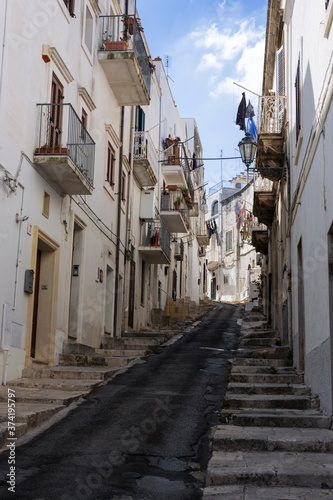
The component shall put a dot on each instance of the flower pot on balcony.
(115, 45)
(129, 24)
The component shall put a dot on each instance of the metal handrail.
(61, 132)
(271, 114)
(144, 149)
(123, 33)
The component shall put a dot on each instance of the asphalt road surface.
(143, 435)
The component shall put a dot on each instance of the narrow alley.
(145, 434)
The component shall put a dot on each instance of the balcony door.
(57, 98)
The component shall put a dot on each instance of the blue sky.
(211, 44)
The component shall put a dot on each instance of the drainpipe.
(128, 209)
(116, 294)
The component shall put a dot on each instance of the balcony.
(145, 160)
(176, 166)
(179, 249)
(174, 211)
(155, 242)
(264, 200)
(65, 154)
(124, 59)
(202, 234)
(270, 144)
(260, 238)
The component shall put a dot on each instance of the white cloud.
(237, 50)
(210, 61)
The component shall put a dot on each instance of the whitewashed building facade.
(294, 152)
(76, 78)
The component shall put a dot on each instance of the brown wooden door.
(35, 310)
(57, 97)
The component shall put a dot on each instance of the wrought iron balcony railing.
(174, 200)
(271, 114)
(154, 233)
(123, 33)
(62, 133)
(176, 154)
(144, 149)
(263, 185)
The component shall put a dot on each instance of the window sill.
(329, 20)
(109, 190)
(64, 10)
(87, 53)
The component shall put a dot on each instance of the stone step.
(46, 395)
(259, 401)
(307, 470)
(268, 370)
(56, 384)
(141, 341)
(283, 389)
(31, 413)
(20, 429)
(248, 492)
(234, 438)
(258, 341)
(268, 334)
(275, 418)
(84, 360)
(144, 335)
(257, 362)
(121, 352)
(280, 352)
(70, 372)
(266, 378)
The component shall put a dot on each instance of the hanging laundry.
(240, 119)
(249, 113)
(238, 208)
(251, 128)
(241, 216)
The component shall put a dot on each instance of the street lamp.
(247, 147)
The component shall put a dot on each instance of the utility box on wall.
(29, 281)
(147, 204)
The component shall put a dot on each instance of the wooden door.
(35, 308)
(55, 125)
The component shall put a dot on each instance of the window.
(215, 207)
(70, 4)
(326, 3)
(123, 187)
(226, 279)
(298, 98)
(46, 205)
(110, 166)
(228, 241)
(88, 36)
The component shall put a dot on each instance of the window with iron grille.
(298, 99)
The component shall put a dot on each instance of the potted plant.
(128, 24)
(178, 202)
